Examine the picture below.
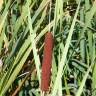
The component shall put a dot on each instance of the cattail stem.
(47, 62)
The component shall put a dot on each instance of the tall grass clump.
(68, 68)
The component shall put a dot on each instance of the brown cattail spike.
(47, 62)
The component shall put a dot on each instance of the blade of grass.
(1, 3)
(2, 21)
(15, 72)
(89, 33)
(82, 35)
(80, 90)
(23, 16)
(33, 44)
(63, 59)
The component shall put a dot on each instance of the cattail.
(47, 61)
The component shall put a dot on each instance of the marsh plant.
(69, 58)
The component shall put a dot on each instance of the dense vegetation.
(23, 24)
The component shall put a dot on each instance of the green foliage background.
(23, 24)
